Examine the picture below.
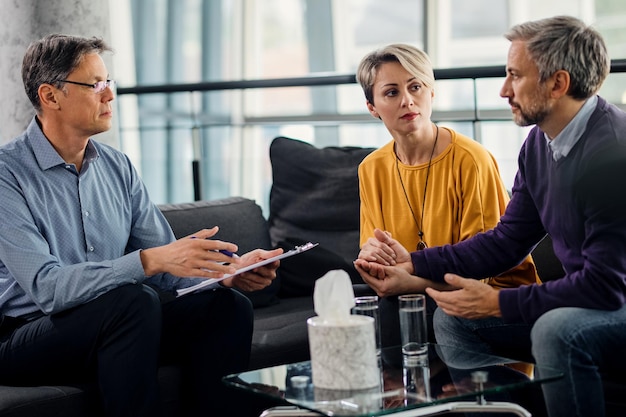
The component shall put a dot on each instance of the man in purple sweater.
(571, 184)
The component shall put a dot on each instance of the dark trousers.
(119, 339)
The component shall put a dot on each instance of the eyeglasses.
(97, 88)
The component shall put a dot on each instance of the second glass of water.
(414, 335)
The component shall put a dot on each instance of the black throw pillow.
(314, 198)
(298, 273)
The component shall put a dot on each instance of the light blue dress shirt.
(563, 143)
(68, 237)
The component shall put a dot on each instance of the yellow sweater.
(465, 196)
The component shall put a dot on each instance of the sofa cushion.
(280, 332)
(46, 400)
(315, 197)
(80, 399)
(240, 221)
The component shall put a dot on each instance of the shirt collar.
(563, 143)
(47, 156)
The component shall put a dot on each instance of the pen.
(228, 253)
(222, 251)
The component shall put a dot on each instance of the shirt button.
(91, 249)
(86, 214)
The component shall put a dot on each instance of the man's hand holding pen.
(199, 256)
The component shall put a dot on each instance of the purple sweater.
(580, 201)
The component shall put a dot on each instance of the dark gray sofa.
(314, 197)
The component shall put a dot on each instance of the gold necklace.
(421, 244)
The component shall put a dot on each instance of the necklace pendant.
(421, 245)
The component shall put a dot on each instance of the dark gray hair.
(53, 58)
(566, 43)
(412, 59)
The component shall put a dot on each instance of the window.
(226, 134)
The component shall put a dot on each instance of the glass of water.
(368, 306)
(414, 335)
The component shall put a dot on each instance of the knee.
(137, 300)
(551, 332)
(133, 309)
(234, 308)
(444, 327)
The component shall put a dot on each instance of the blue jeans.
(579, 342)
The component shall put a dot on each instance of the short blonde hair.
(412, 59)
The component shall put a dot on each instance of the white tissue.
(342, 346)
(333, 297)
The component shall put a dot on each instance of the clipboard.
(209, 281)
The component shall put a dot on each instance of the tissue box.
(343, 354)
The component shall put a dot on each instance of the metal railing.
(321, 79)
(495, 71)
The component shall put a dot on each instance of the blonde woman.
(429, 186)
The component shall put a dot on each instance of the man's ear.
(561, 84)
(48, 96)
(372, 110)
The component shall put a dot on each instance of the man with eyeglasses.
(97, 87)
(85, 256)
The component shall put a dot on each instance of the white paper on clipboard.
(209, 281)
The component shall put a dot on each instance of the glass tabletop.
(444, 374)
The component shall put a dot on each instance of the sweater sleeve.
(481, 256)
(484, 202)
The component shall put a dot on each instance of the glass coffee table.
(445, 380)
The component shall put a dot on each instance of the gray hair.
(566, 43)
(412, 59)
(53, 58)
